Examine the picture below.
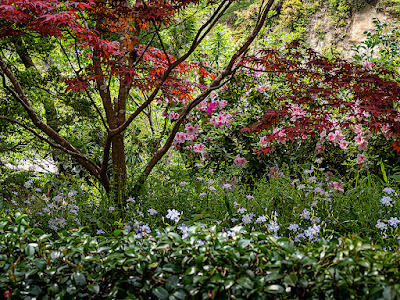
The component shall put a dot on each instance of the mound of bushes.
(207, 263)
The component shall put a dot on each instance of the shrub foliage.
(207, 264)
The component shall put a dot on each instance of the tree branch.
(145, 50)
(103, 88)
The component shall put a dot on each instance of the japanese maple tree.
(110, 49)
(330, 101)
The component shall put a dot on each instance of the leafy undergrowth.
(305, 206)
(206, 264)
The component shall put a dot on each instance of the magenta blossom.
(212, 107)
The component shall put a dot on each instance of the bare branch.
(145, 50)
(98, 110)
(68, 59)
(162, 43)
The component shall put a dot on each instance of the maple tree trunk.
(119, 168)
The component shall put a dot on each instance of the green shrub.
(292, 12)
(206, 264)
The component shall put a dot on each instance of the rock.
(322, 34)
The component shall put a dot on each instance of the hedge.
(206, 264)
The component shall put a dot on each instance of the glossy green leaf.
(161, 293)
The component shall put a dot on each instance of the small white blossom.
(380, 225)
(152, 211)
(388, 190)
(246, 219)
(273, 226)
(173, 214)
(241, 210)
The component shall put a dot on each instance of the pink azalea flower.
(263, 140)
(361, 158)
(191, 137)
(180, 137)
(222, 104)
(190, 129)
(198, 148)
(343, 144)
(358, 139)
(319, 148)
(336, 185)
(221, 119)
(339, 136)
(203, 105)
(260, 89)
(368, 65)
(273, 170)
(173, 116)
(239, 161)
(363, 145)
(358, 130)
(213, 96)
